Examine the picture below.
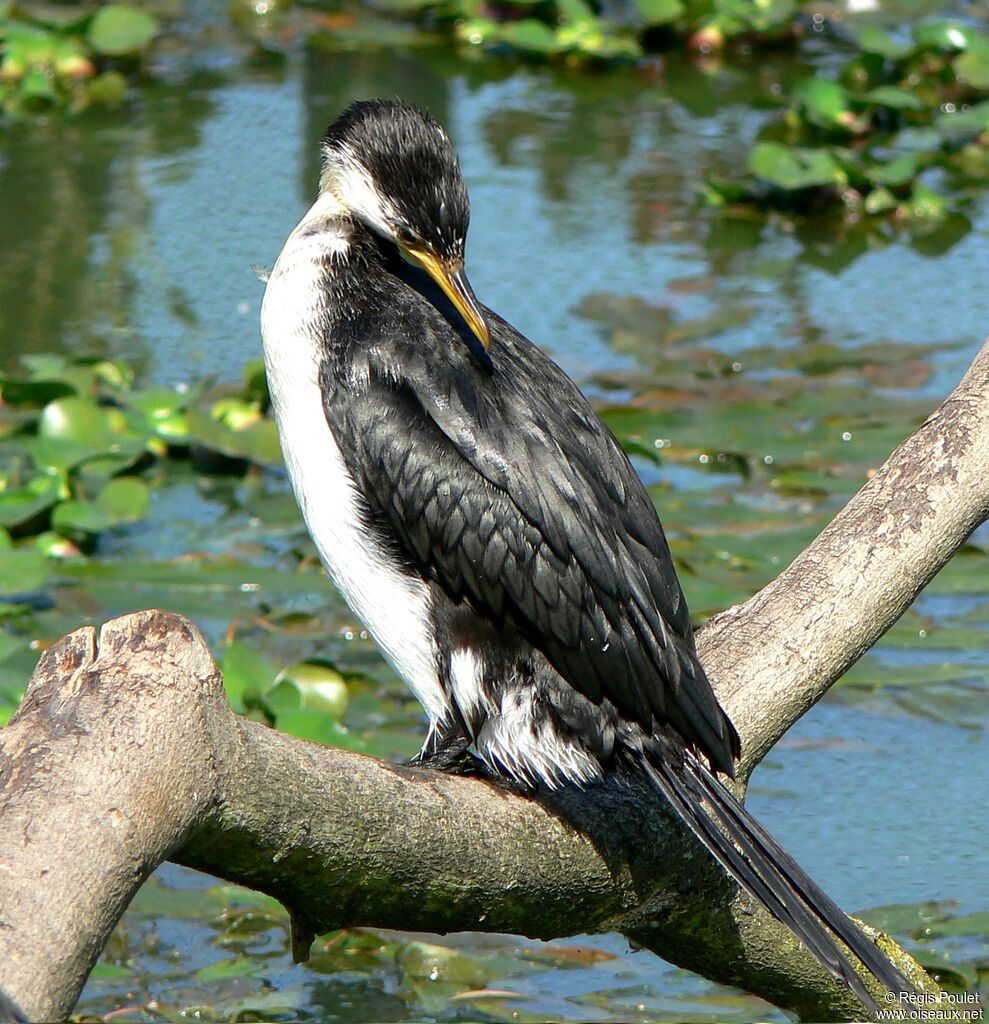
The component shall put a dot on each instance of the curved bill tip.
(453, 281)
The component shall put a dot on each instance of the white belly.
(394, 608)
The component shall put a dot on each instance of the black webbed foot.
(447, 750)
(463, 762)
(456, 760)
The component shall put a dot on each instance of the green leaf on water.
(659, 12)
(972, 67)
(213, 576)
(244, 671)
(975, 924)
(236, 430)
(78, 420)
(237, 967)
(901, 170)
(81, 516)
(790, 167)
(973, 121)
(315, 686)
(119, 30)
(17, 391)
(9, 645)
(22, 504)
(874, 40)
(823, 101)
(121, 500)
(906, 918)
(110, 971)
(125, 499)
(871, 672)
(925, 204)
(893, 97)
(22, 569)
(441, 963)
(945, 35)
(318, 727)
(947, 973)
(530, 34)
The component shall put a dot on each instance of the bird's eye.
(405, 235)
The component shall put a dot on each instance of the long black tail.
(761, 866)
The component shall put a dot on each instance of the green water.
(137, 235)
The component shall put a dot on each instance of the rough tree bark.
(125, 753)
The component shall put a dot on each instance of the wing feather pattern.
(506, 489)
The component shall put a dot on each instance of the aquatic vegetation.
(73, 56)
(904, 116)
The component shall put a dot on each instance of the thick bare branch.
(126, 752)
(97, 788)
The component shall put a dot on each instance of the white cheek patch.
(348, 179)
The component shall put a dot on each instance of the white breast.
(394, 608)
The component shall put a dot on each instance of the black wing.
(503, 486)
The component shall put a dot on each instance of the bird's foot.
(460, 761)
(455, 760)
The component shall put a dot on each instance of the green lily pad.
(947, 973)
(119, 30)
(972, 67)
(81, 421)
(530, 34)
(22, 569)
(240, 433)
(870, 672)
(81, 516)
(441, 963)
(945, 35)
(316, 686)
(244, 670)
(893, 97)
(236, 967)
(85, 374)
(973, 121)
(976, 924)
(122, 500)
(212, 575)
(925, 204)
(874, 40)
(22, 504)
(9, 645)
(158, 403)
(823, 101)
(16, 391)
(660, 12)
(125, 498)
(765, 16)
(320, 728)
(369, 33)
(901, 170)
(790, 167)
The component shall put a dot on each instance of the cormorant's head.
(393, 168)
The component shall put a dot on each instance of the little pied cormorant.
(483, 522)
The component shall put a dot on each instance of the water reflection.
(76, 221)
(58, 189)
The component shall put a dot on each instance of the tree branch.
(773, 657)
(125, 752)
